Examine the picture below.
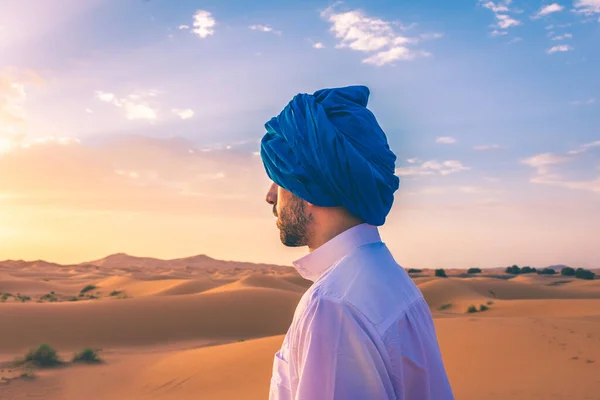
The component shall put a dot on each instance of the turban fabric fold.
(328, 149)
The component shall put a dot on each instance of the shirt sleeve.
(335, 356)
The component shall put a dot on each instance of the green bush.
(22, 298)
(414, 271)
(584, 274)
(527, 270)
(43, 356)
(472, 309)
(115, 293)
(474, 271)
(489, 303)
(547, 271)
(87, 355)
(87, 289)
(445, 306)
(567, 271)
(483, 307)
(514, 270)
(441, 273)
(51, 297)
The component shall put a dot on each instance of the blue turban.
(328, 149)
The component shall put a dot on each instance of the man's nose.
(272, 194)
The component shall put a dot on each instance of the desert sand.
(199, 328)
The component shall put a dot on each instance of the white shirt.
(362, 330)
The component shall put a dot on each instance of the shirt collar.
(312, 265)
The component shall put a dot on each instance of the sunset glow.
(143, 138)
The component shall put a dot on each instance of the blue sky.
(491, 107)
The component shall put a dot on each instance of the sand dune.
(491, 358)
(540, 337)
(244, 313)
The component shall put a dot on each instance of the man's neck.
(322, 234)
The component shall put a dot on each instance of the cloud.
(428, 36)
(563, 37)
(183, 114)
(588, 7)
(183, 27)
(503, 20)
(515, 40)
(445, 140)
(264, 28)
(105, 96)
(393, 54)
(496, 7)
(319, 45)
(587, 102)
(559, 49)
(432, 167)
(592, 186)
(13, 96)
(552, 26)
(359, 32)
(135, 106)
(131, 173)
(488, 147)
(541, 162)
(584, 147)
(547, 10)
(50, 140)
(204, 24)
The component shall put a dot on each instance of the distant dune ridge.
(197, 327)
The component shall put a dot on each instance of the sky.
(134, 126)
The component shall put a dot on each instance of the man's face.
(293, 220)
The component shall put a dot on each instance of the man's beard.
(293, 223)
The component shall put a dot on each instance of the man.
(362, 330)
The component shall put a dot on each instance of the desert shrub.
(483, 307)
(414, 271)
(87, 288)
(43, 356)
(445, 306)
(527, 270)
(567, 271)
(489, 303)
(514, 270)
(547, 271)
(474, 271)
(472, 309)
(584, 274)
(73, 298)
(23, 298)
(87, 355)
(441, 273)
(115, 293)
(51, 297)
